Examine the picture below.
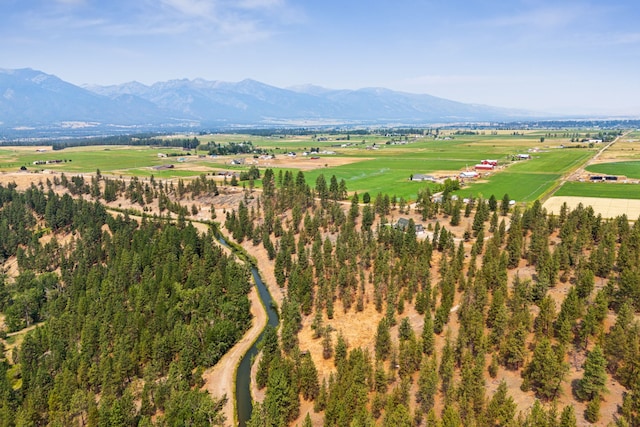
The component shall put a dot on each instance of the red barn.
(484, 167)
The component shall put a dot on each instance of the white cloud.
(548, 16)
(621, 39)
(192, 7)
(442, 79)
(71, 2)
(261, 4)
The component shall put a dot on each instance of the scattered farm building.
(601, 178)
(47, 162)
(484, 167)
(437, 197)
(161, 155)
(421, 177)
(489, 162)
(403, 224)
(469, 174)
(524, 156)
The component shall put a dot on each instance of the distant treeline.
(154, 140)
(243, 147)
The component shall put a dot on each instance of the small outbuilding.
(484, 167)
(421, 177)
(403, 224)
(469, 174)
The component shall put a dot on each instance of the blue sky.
(555, 56)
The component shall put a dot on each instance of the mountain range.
(31, 100)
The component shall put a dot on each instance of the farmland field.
(522, 187)
(629, 169)
(368, 163)
(87, 159)
(600, 189)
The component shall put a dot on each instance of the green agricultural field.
(628, 169)
(522, 187)
(88, 159)
(552, 161)
(378, 176)
(391, 166)
(386, 169)
(600, 189)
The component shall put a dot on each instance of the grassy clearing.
(628, 169)
(600, 189)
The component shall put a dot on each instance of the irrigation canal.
(243, 377)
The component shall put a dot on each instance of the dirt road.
(575, 173)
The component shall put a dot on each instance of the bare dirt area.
(608, 208)
(305, 163)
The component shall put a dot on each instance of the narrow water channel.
(243, 378)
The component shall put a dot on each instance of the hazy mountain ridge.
(31, 98)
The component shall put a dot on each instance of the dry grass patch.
(608, 208)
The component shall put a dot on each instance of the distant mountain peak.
(32, 97)
(310, 89)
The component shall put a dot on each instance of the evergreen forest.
(122, 315)
(494, 315)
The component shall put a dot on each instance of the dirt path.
(220, 380)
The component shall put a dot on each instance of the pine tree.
(546, 370)
(592, 413)
(594, 378)
(307, 421)
(427, 383)
(504, 206)
(383, 340)
(501, 409)
(308, 378)
(428, 337)
(340, 350)
(568, 417)
(455, 215)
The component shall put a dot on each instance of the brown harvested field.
(305, 163)
(625, 148)
(608, 208)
